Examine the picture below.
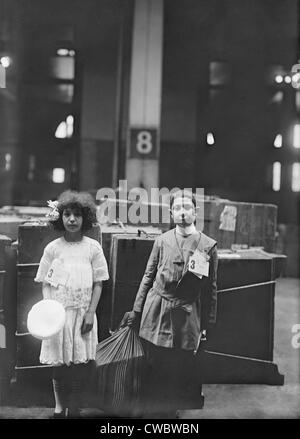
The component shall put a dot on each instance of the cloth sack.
(120, 364)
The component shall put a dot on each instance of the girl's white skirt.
(69, 346)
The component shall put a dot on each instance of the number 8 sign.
(143, 142)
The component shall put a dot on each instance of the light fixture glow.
(5, 61)
(70, 119)
(62, 52)
(287, 79)
(295, 71)
(8, 162)
(278, 79)
(58, 175)
(296, 177)
(61, 130)
(296, 80)
(210, 140)
(65, 128)
(278, 141)
(2, 337)
(65, 52)
(276, 176)
(70, 125)
(296, 77)
(296, 139)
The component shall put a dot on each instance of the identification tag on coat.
(56, 274)
(198, 264)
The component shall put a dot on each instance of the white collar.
(185, 231)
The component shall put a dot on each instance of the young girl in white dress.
(72, 269)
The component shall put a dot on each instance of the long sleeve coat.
(173, 317)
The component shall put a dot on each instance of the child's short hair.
(82, 201)
(182, 193)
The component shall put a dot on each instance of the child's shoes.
(60, 415)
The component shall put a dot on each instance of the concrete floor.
(238, 401)
(263, 401)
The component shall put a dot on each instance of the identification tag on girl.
(56, 274)
(198, 264)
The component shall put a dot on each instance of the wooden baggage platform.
(243, 337)
(5, 345)
(244, 334)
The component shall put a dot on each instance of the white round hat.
(46, 318)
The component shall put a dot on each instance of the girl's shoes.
(67, 414)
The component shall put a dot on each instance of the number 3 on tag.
(56, 274)
(198, 264)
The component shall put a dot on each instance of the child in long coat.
(175, 304)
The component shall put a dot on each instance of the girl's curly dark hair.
(81, 201)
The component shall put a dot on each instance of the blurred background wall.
(229, 116)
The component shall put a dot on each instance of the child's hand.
(130, 318)
(88, 322)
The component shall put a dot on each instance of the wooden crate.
(287, 242)
(28, 351)
(2, 275)
(33, 237)
(109, 230)
(10, 299)
(150, 214)
(4, 243)
(129, 258)
(245, 315)
(7, 322)
(236, 223)
(28, 293)
(104, 311)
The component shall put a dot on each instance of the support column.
(142, 160)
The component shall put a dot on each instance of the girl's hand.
(88, 322)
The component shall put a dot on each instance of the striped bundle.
(120, 365)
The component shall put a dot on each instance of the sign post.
(142, 158)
